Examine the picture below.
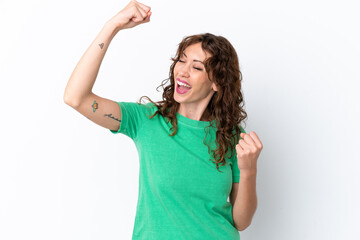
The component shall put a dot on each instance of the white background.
(65, 177)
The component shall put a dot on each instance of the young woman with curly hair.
(194, 154)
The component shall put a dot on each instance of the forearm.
(84, 75)
(246, 201)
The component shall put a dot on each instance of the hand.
(133, 14)
(248, 151)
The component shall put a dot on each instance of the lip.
(178, 79)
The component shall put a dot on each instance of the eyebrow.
(195, 60)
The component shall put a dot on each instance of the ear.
(214, 87)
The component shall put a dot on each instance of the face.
(190, 69)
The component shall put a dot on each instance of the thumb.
(147, 19)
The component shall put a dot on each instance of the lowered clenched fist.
(248, 151)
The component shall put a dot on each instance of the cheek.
(176, 68)
(202, 88)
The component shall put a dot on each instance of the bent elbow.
(242, 228)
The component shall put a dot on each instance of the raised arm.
(84, 75)
(78, 92)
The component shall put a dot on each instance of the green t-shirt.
(181, 193)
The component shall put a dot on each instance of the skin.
(243, 195)
(194, 102)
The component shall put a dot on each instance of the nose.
(184, 70)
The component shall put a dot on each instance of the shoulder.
(242, 129)
(150, 107)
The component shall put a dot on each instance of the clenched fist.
(248, 151)
(133, 14)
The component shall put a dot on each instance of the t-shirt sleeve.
(235, 168)
(132, 118)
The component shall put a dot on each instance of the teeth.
(183, 84)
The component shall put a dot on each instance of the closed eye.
(194, 67)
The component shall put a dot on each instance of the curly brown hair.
(226, 105)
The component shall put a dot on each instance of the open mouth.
(182, 89)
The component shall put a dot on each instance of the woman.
(186, 143)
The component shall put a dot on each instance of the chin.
(176, 99)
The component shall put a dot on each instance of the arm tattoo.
(95, 106)
(109, 115)
(101, 45)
